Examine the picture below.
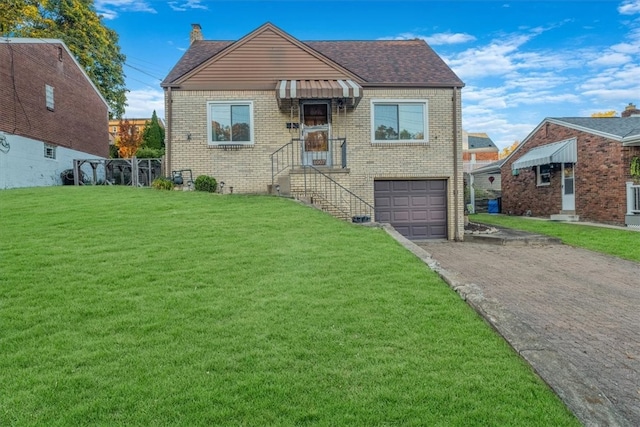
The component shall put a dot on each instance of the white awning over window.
(559, 152)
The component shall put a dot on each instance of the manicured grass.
(123, 306)
(621, 243)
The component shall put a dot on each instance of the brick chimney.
(630, 110)
(196, 33)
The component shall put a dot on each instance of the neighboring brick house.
(478, 150)
(381, 119)
(51, 113)
(575, 168)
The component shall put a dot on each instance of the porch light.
(278, 188)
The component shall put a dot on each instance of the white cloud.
(435, 39)
(629, 7)
(142, 103)
(186, 5)
(448, 38)
(611, 59)
(109, 8)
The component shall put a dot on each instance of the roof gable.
(258, 60)
(21, 40)
(269, 52)
(625, 130)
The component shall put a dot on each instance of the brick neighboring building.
(478, 150)
(381, 118)
(574, 167)
(51, 113)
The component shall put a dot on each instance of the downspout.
(456, 166)
(168, 126)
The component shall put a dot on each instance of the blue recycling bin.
(493, 206)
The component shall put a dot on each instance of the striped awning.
(559, 152)
(318, 89)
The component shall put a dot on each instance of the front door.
(316, 132)
(568, 188)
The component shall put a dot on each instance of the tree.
(153, 133)
(77, 23)
(610, 113)
(508, 150)
(128, 140)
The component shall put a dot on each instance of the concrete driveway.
(573, 314)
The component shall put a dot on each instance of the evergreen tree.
(153, 134)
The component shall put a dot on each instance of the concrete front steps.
(568, 216)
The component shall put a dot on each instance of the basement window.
(543, 174)
(49, 151)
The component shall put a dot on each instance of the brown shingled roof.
(410, 62)
(377, 62)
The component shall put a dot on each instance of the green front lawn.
(621, 243)
(123, 306)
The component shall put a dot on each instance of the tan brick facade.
(248, 169)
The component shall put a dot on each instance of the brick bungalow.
(51, 113)
(359, 127)
(575, 168)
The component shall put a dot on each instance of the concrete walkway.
(573, 314)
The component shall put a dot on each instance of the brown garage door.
(417, 209)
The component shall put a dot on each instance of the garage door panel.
(417, 209)
(383, 216)
(437, 201)
(420, 215)
(419, 201)
(383, 202)
(437, 185)
(401, 216)
(400, 202)
(419, 186)
(400, 186)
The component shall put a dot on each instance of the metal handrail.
(292, 155)
(280, 160)
(338, 197)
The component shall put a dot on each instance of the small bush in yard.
(206, 183)
(162, 184)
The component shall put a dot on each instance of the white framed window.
(399, 120)
(543, 175)
(48, 91)
(49, 151)
(230, 122)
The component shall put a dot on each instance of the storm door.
(316, 134)
(568, 188)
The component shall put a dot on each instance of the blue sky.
(521, 60)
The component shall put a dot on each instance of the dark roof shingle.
(623, 127)
(382, 62)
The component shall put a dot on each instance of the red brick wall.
(80, 118)
(481, 155)
(600, 176)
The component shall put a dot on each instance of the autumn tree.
(77, 23)
(508, 150)
(128, 140)
(610, 113)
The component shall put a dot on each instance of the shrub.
(162, 184)
(206, 183)
(149, 153)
